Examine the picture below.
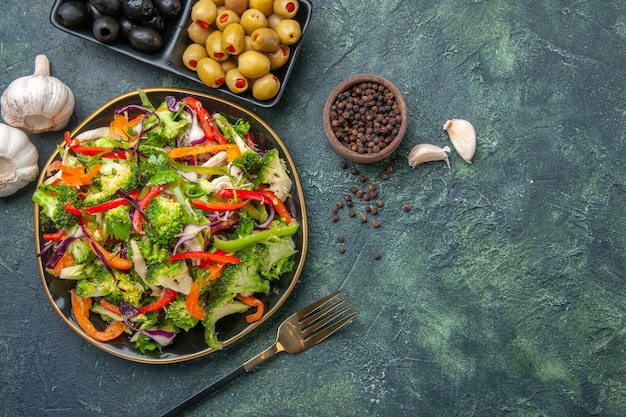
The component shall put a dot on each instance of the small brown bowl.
(367, 154)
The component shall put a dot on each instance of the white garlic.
(463, 137)
(18, 160)
(425, 152)
(38, 103)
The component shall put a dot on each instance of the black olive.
(106, 29)
(155, 22)
(125, 26)
(110, 7)
(145, 39)
(169, 9)
(73, 14)
(137, 9)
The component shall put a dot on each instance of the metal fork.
(303, 329)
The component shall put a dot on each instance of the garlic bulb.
(18, 160)
(425, 152)
(37, 103)
(463, 137)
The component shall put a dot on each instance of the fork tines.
(320, 319)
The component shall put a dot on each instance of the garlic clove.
(37, 103)
(463, 138)
(425, 152)
(18, 160)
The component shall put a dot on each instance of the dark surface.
(501, 292)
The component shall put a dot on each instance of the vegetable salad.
(169, 218)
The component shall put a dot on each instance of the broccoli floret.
(171, 125)
(250, 161)
(118, 222)
(274, 173)
(52, 198)
(131, 290)
(113, 176)
(278, 259)
(80, 249)
(151, 253)
(100, 283)
(154, 166)
(177, 312)
(173, 275)
(245, 278)
(166, 220)
(217, 308)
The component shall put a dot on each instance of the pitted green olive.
(265, 40)
(204, 12)
(210, 72)
(266, 87)
(233, 38)
(236, 82)
(289, 31)
(265, 6)
(197, 33)
(253, 19)
(279, 57)
(225, 18)
(214, 46)
(192, 54)
(286, 8)
(253, 64)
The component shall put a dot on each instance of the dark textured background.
(502, 291)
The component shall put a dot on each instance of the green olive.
(238, 6)
(192, 54)
(289, 31)
(236, 82)
(228, 64)
(253, 19)
(233, 38)
(265, 87)
(210, 72)
(214, 46)
(273, 20)
(265, 6)
(286, 8)
(197, 33)
(218, 3)
(265, 40)
(253, 64)
(279, 57)
(204, 12)
(225, 18)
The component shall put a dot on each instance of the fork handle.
(199, 396)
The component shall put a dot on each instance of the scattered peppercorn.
(340, 238)
(343, 165)
(339, 204)
(353, 189)
(362, 178)
(359, 193)
(389, 169)
(368, 209)
(366, 197)
(377, 255)
(374, 210)
(379, 203)
(347, 197)
(384, 177)
(406, 207)
(371, 187)
(362, 218)
(354, 171)
(352, 213)
(375, 223)
(342, 250)
(334, 218)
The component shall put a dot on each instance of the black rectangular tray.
(175, 40)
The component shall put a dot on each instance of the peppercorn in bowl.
(365, 118)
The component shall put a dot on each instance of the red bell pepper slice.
(111, 307)
(219, 205)
(143, 203)
(215, 257)
(209, 128)
(69, 207)
(245, 194)
(278, 204)
(111, 204)
(167, 297)
(55, 236)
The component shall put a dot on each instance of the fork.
(300, 331)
